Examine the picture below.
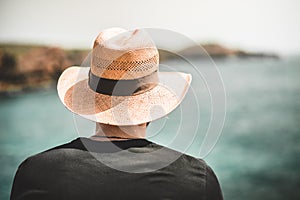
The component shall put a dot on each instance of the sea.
(249, 108)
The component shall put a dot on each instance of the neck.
(111, 132)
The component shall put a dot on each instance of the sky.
(253, 25)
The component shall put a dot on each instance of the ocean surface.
(255, 157)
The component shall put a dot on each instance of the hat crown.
(119, 54)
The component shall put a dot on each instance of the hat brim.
(75, 94)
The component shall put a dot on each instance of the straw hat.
(123, 85)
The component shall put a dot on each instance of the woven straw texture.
(121, 55)
(153, 104)
(127, 55)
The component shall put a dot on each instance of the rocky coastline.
(28, 67)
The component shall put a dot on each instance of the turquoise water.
(256, 157)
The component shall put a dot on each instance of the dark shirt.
(73, 171)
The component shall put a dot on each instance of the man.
(120, 92)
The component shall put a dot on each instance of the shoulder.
(212, 187)
(196, 170)
(46, 159)
(184, 164)
(44, 166)
(182, 157)
(37, 174)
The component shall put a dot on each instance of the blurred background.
(254, 43)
